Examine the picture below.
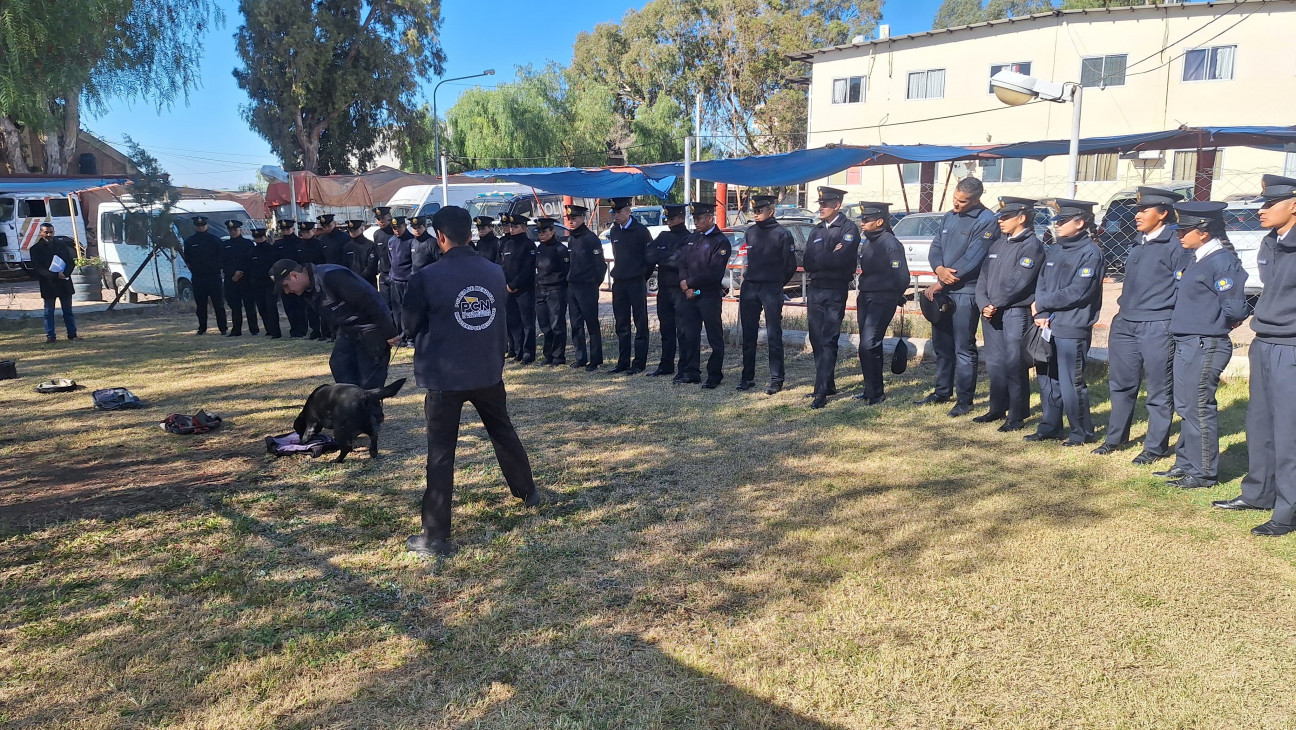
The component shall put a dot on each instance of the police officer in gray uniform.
(1270, 482)
(1140, 342)
(1004, 293)
(771, 264)
(1210, 303)
(956, 255)
(883, 279)
(831, 256)
(1068, 296)
(702, 264)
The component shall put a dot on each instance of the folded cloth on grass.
(115, 399)
(200, 422)
(290, 444)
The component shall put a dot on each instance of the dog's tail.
(388, 390)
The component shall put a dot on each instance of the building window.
(1103, 71)
(1021, 68)
(1289, 169)
(1209, 64)
(910, 172)
(926, 84)
(848, 90)
(1001, 171)
(1185, 165)
(1098, 168)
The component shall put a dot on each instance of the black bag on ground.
(115, 399)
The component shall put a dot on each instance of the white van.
(20, 217)
(124, 245)
(426, 199)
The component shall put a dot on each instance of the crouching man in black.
(454, 311)
(357, 313)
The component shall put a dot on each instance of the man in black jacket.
(452, 312)
(702, 265)
(517, 258)
(771, 264)
(831, 255)
(288, 246)
(363, 322)
(630, 242)
(260, 289)
(424, 251)
(309, 251)
(55, 286)
(202, 254)
(360, 254)
(552, 263)
(236, 253)
(488, 244)
(584, 277)
(332, 242)
(663, 255)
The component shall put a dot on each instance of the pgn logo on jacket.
(475, 308)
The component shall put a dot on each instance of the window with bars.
(1103, 71)
(1185, 165)
(928, 84)
(910, 172)
(1209, 64)
(1001, 171)
(1023, 67)
(1098, 168)
(849, 90)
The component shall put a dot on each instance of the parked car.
(1242, 224)
(1116, 229)
(800, 230)
(915, 232)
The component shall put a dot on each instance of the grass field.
(715, 559)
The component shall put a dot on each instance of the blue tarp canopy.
(578, 182)
(788, 168)
(55, 185)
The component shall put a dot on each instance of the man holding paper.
(53, 258)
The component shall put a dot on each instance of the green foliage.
(329, 78)
(953, 13)
(151, 187)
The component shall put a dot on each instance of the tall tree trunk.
(12, 140)
(61, 141)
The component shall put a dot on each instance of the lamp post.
(436, 133)
(1015, 89)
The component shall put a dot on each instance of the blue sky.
(206, 143)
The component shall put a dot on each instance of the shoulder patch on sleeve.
(1087, 272)
(1026, 262)
(895, 264)
(1179, 274)
(849, 237)
(1223, 284)
(988, 235)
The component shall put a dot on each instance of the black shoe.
(745, 385)
(1272, 529)
(875, 401)
(296, 337)
(1104, 450)
(558, 363)
(591, 368)
(1235, 503)
(313, 337)
(711, 384)
(819, 402)
(686, 381)
(254, 332)
(73, 337)
(659, 371)
(536, 499)
(579, 365)
(1012, 425)
(988, 418)
(1173, 472)
(276, 337)
(199, 332)
(1073, 442)
(1188, 481)
(933, 398)
(816, 395)
(1037, 436)
(1146, 458)
(774, 388)
(426, 547)
(619, 369)
(222, 333)
(234, 334)
(527, 361)
(634, 371)
(960, 410)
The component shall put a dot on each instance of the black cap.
(575, 210)
(762, 201)
(1148, 197)
(199, 220)
(418, 221)
(285, 224)
(233, 223)
(1010, 207)
(355, 225)
(619, 203)
(934, 309)
(869, 211)
(1064, 209)
(544, 223)
(829, 195)
(674, 209)
(702, 208)
(398, 220)
(517, 219)
(1277, 188)
(281, 268)
(325, 219)
(382, 210)
(1205, 216)
(484, 220)
(305, 225)
(258, 231)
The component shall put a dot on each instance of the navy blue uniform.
(310, 251)
(334, 244)
(630, 292)
(1007, 282)
(236, 255)
(702, 264)
(552, 264)
(264, 291)
(962, 244)
(489, 247)
(584, 276)
(202, 254)
(294, 308)
(1068, 294)
(400, 250)
(361, 256)
(517, 258)
(664, 255)
(831, 256)
(357, 312)
(883, 279)
(1271, 431)
(453, 312)
(1140, 344)
(1210, 303)
(771, 264)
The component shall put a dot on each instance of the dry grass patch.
(717, 560)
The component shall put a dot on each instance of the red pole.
(722, 203)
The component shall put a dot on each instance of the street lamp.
(436, 133)
(1015, 89)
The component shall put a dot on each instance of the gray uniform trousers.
(1136, 348)
(1198, 363)
(1271, 431)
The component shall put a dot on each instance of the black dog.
(347, 409)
